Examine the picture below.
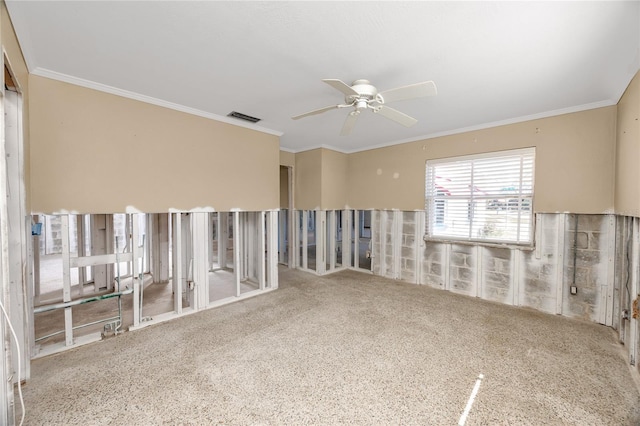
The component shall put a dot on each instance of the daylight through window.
(486, 197)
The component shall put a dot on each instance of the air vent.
(242, 116)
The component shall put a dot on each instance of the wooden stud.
(272, 248)
(177, 262)
(607, 291)
(305, 238)
(382, 259)
(515, 276)
(282, 236)
(291, 221)
(294, 244)
(446, 265)
(200, 244)
(561, 218)
(538, 236)
(82, 276)
(223, 238)
(138, 284)
(479, 260)
(237, 246)
(332, 233)
(262, 251)
(419, 219)
(633, 322)
(321, 241)
(66, 279)
(396, 238)
(346, 238)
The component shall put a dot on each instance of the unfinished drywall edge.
(200, 158)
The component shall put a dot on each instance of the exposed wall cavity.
(538, 277)
(583, 266)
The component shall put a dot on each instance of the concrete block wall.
(496, 279)
(589, 250)
(409, 247)
(462, 269)
(433, 265)
(623, 267)
(538, 277)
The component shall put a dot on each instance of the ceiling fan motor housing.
(366, 93)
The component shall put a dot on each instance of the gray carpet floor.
(349, 348)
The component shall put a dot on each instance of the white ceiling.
(493, 62)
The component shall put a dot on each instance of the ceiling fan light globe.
(361, 104)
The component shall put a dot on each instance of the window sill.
(492, 244)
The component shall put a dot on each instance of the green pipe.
(55, 306)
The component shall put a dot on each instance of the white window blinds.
(487, 197)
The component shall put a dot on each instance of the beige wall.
(94, 152)
(574, 163)
(284, 187)
(334, 180)
(20, 72)
(287, 158)
(321, 180)
(627, 194)
(308, 180)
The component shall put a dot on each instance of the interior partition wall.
(327, 241)
(133, 291)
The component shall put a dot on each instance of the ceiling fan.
(362, 95)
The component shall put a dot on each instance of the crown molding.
(43, 72)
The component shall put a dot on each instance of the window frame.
(434, 209)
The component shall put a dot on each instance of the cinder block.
(582, 240)
(459, 259)
(461, 285)
(597, 240)
(582, 276)
(497, 294)
(466, 274)
(549, 237)
(586, 222)
(408, 217)
(433, 281)
(436, 269)
(409, 276)
(410, 264)
(537, 286)
(497, 280)
(498, 253)
(409, 240)
(532, 270)
(408, 252)
(548, 271)
(587, 258)
(502, 266)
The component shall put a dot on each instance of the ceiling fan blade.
(418, 90)
(341, 86)
(315, 111)
(349, 123)
(395, 115)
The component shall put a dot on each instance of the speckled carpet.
(349, 348)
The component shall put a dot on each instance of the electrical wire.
(15, 337)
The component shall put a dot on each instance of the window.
(486, 197)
